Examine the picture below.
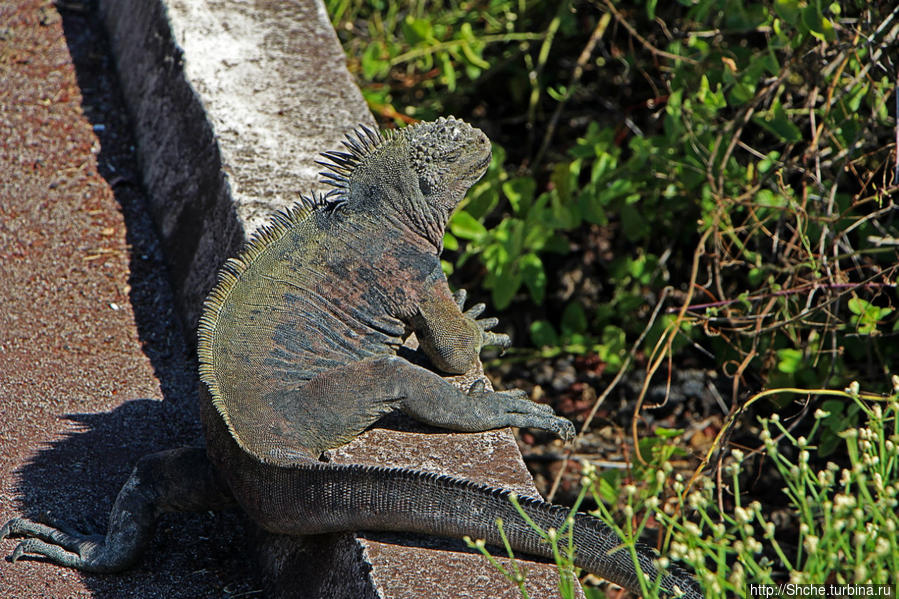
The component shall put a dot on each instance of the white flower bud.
(810, 543)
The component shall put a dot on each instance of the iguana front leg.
(485, 324)
(452, 339)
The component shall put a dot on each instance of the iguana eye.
(424, 185)
(452, 156)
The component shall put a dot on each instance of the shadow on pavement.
(75, 480)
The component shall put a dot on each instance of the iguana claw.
(59, 546)
(459, 297)
(488, 338)
(523, 412)
(478, 309)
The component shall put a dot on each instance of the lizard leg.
(336, 405)
(175, 480)
(482, 410)
(451, 338)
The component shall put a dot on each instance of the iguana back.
(298, 352)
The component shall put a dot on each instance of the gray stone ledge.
(231, 103)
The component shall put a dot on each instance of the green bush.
(754, 135)
(845, 514)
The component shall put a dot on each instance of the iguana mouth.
(484, 164)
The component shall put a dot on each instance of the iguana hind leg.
(336, 405)
(482, 410)
(175, 480)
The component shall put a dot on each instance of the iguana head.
(449, 156)
(416, 175)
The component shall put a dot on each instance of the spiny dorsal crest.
(229, 275)
(361, 143)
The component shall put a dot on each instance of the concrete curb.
(231, 103)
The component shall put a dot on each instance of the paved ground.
(94, 372)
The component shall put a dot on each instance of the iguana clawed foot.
(57, 544)
(524, 413)
(484, 324)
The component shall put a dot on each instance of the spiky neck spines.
(416, 175)
(361, 143)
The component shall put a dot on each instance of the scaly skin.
(298, 354)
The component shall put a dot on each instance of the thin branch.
(646, 44)
(446, 45)
(585, 55)
(783, 292)
(602, 398)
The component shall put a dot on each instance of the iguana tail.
(310, 497)
(351, 497)
(313, 498)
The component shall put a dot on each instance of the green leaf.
(857, 305)
(534, 276)
(417, 31)
(574, 320)
(520, 192)
(465, 226)
(484, 195)
(755, 276)
(559, 95)
(866, 315)
(633, 225)
(612, 349)
(608, 491)
(473, 57)
(855, 99)
(543, 334)
(374, 66)
(769, 199)
(449, 72)
(505, 285)
(604, 165)
(789, 360)
(470, 51)
(777, 122)
(768, 162)
(668, 433)
(449, 242)
(789, 11)
(817, 24)
(563, 178)
(712, 99)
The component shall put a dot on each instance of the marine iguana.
(298, 350)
